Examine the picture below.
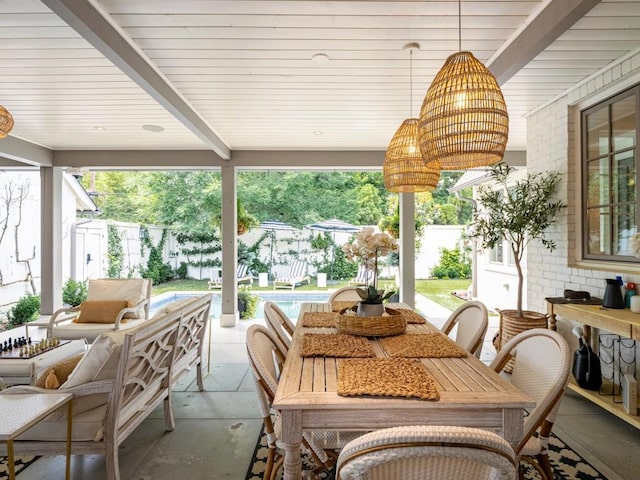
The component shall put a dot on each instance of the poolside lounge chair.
(297, 275)
(363, 277)
(242, 276)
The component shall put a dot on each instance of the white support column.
(407, 249)
(51, 239)
(229, 315)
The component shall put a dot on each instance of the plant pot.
(242, 306)
(511, 325)
(370, 309)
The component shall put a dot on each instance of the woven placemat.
(342, 304)
(319, 319)
(335, 345)
(388, 377)
(410, 316)
(423, 345)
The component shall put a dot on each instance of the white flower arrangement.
(634, 245)
(367, 247)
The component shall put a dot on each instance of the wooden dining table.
(471, 395)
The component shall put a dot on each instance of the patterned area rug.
(566, 463)
(21, 464)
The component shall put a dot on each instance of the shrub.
(247, 303)
(74, 292)
(27, 309)
(453, 264)
(182, 270)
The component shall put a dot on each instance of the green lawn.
(440, 290)
(437, 290)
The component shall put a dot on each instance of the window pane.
(496, 255)
(598, 132)
(599, 226)
(624, 177)
(598, 182)
(623, 123)
(624, 225)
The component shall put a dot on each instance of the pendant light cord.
(411, 83)
(459, 25)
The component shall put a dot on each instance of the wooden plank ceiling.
(243, 73)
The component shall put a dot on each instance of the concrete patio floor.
(216, 430)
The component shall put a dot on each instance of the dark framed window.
(610, 177)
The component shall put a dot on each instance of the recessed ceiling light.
(99, 129)
(152, 128)
(317, 132)
(320, 58)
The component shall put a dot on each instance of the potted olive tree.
(518, 213)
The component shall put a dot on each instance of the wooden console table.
(621, 322)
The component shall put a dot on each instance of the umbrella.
(273, 226)
(334, 225)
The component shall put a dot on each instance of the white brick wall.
(551, 146)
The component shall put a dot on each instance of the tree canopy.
(190, 201)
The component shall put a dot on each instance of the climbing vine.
(115, 252)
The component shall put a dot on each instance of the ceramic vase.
(370, 309)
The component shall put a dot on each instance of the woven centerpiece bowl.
(391, 323)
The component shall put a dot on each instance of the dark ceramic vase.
(612, 294)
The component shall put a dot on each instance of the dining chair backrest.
(345, 294)
(541, 370)
(265, 353)
(472, 321)
(427, 452)
(279, 323)
(266, 356)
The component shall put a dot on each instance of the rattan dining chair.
(279, 323)
(541, 370)
(345, 294)
(472, 320)
(427, 452)
(266, 353)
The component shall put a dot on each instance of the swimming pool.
(288, 302)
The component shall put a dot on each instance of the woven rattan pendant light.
(463, 121)
(404, 170)
(6, 122)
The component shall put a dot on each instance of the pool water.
(288, 302)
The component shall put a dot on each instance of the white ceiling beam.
(544, 27)
(14, 149)
(96, 29)
(202, 159)
(249, 159)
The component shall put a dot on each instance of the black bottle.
(612, 294)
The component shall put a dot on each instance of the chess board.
(14, 354)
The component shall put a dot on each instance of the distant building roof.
(472, 178)
(84, 202)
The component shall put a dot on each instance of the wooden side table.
(19, 412)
